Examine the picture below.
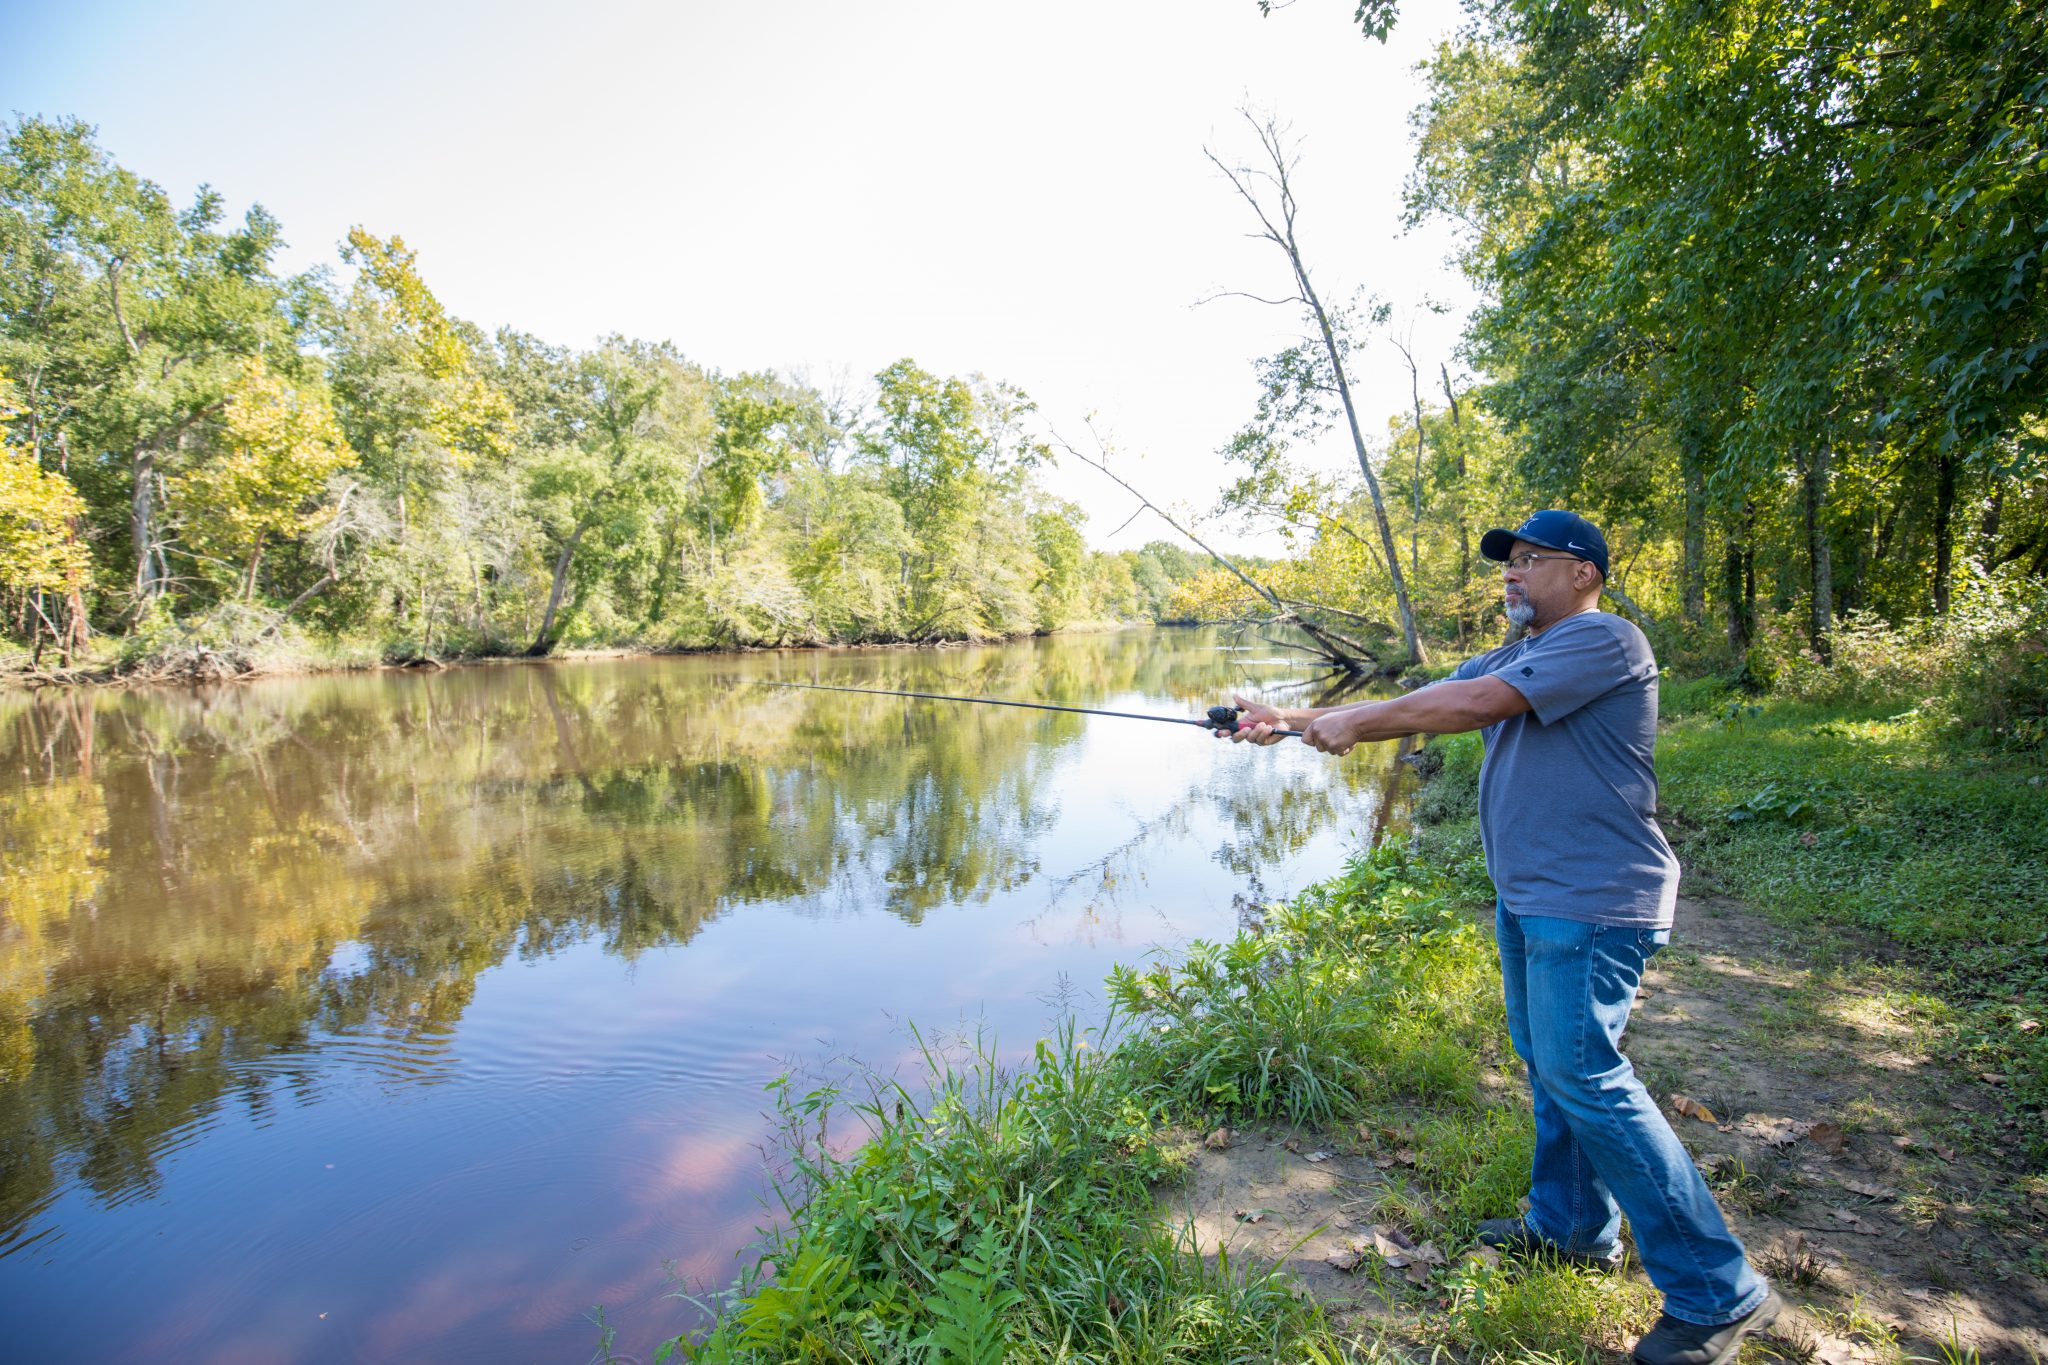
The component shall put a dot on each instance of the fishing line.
(1221, 720)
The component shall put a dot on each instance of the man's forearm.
(1444, 708)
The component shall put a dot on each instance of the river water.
(407, 1017)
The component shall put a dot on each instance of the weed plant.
(1006, 1218)
(1376, 985)
(1542, 1311)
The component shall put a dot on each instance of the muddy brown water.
(407, 1018)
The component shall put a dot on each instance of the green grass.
(1870, 817)
(1009, 1217)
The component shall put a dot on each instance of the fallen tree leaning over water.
(1346, 652)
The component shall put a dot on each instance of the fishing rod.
(1222, 720)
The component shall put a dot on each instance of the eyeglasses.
(1520, 563)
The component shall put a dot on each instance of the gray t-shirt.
(1568, 791)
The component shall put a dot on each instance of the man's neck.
(1580, 610)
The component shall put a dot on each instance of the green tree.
(638, 437)
(125, 321)
(40, 552)
(278, 449)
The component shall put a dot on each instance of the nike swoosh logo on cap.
(1574, 545)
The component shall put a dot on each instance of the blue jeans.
(1602, 1147)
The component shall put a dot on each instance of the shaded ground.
(1876, 1184)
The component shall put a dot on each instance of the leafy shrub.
(1377, 982)
(1006, 1217)
(1242, 1028)
(1983, 668)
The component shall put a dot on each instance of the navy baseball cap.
(1553, 530)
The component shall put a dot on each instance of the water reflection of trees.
(181, 867)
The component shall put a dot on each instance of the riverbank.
(1284, 1149)
(200, 658)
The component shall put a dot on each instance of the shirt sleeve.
(1574, 662)
(1474, 667)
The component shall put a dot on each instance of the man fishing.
(1586, 890)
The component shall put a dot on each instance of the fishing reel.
(1223, 719)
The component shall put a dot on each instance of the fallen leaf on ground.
(1399, 1249)
(1317, 1156)
(1693, 1109)
(1713, 1163)
(1773, 1132)
(1483, 1255)
(1994, 1077)
(1856, 1222)
(1218, 1140)
(1292, 1144)
(1870, 1191)
(1346, 1260)
(1827, 1137)
(1391, 1242)
(1945, 1153)
(1252, 1215)
(1905, 1142)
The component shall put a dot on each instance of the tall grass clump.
(1541, 1312)
(1372, 984)
(1007, 1217)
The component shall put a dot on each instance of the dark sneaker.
(1514, 1237)
(1672, 1342)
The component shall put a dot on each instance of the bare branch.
(1332, 647)
(1295, 299)
(1340, 611)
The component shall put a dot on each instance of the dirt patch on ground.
(1877, 1184)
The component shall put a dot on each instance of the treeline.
(1764, 282)
(1762, 293)
(200, 449)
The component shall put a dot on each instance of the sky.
(1016, 190)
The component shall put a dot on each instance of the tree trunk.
(1458, 452)
(1693, 574)
(1821, 606)
(142, 526)
(1738, 624)
(543, 643)
(1739, 581)
(1944, 527)
(1281, 234)
(1372, 483)
(249, 582)
(1415, 523)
